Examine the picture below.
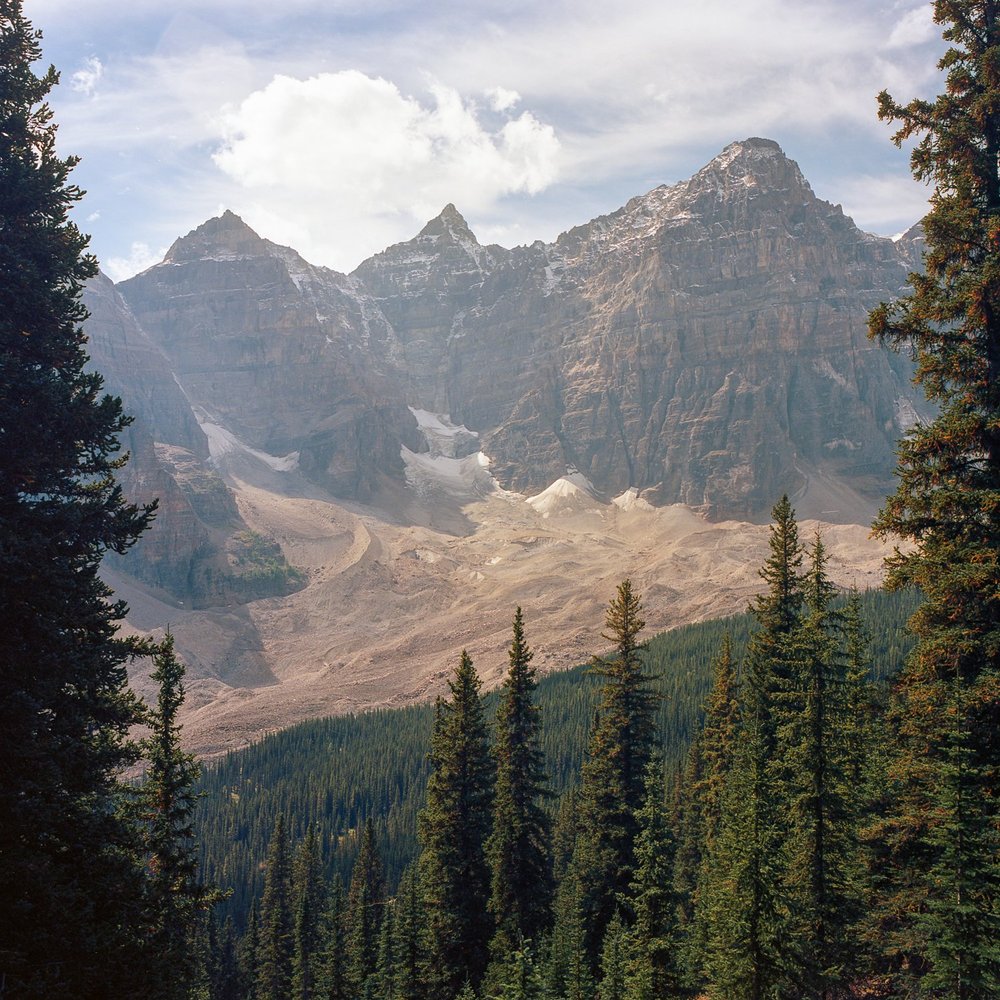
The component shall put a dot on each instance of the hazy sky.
(341, 126)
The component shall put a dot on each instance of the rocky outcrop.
(704, 344)
(289, 357)
(189, 552)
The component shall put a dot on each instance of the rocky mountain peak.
(449, 223)
(748, 167)
(225, 237)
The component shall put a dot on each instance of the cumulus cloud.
(502, 99)
(84, 81)
(914, 28)
(140, 257)
(344, 146)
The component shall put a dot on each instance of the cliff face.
(287, 356)
(705, 343)
(194, 546)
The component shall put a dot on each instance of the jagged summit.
(450, 222)
(223, 236)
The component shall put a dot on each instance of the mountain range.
(360, 474)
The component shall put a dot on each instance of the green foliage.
(613, 774)
(365, 903)
(262, 569)
(175, 897)
(275, 941)
(947, 502)
(454, 825)
(70, 868)
(518, 847)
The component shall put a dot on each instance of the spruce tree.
(333, 984)
(275, 941)
(613, 775)
(408, 938)
(942, 830)
(70, 870)
(654, 965)
(518, 847)
(175, 895)
(752, 950)
(453, 828)
(308, 903)
(365, 902)
(615, 960)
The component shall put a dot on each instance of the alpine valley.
(360, 475)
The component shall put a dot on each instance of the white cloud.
(139, 258)
(884, 203)
(84, 81)
(330, 151)
(502, 99)
(914, 28)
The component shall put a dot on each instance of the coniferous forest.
(800, 802)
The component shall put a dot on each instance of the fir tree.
(521, 977)
(365, 902)
(275, 941)
(567, 969)
(615, 960)
(174, 892)
(333, 984)
(947, 502)
(653, 969)
(613, 774)
(408, 938)
(70, 870)
(454, 826)
(308, 902)
(518, 848)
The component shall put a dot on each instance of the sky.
(339, 127)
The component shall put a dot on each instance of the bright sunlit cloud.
(344, 146)
(338, 126)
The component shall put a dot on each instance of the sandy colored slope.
(389, 606)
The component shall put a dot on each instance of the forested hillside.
(334, 774)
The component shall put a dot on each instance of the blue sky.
(339, 127)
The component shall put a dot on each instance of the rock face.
(287, 356)
(705, 344)
(195, 547)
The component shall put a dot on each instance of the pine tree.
(175, 895)
(653, 969)
(701, 812)
(308, 903)
(947, 502)
(453, 828)
(518, 847)
(365, 902)
(521, 977)
(246, 956)
(333, 983)
(275, 942)
(613, 774)
(568, 969)
(70, 870)
(615, 955)
(408, 935)
(822, 842)
(752, 950)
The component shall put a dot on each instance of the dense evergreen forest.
(793, 804)
(334, 774)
